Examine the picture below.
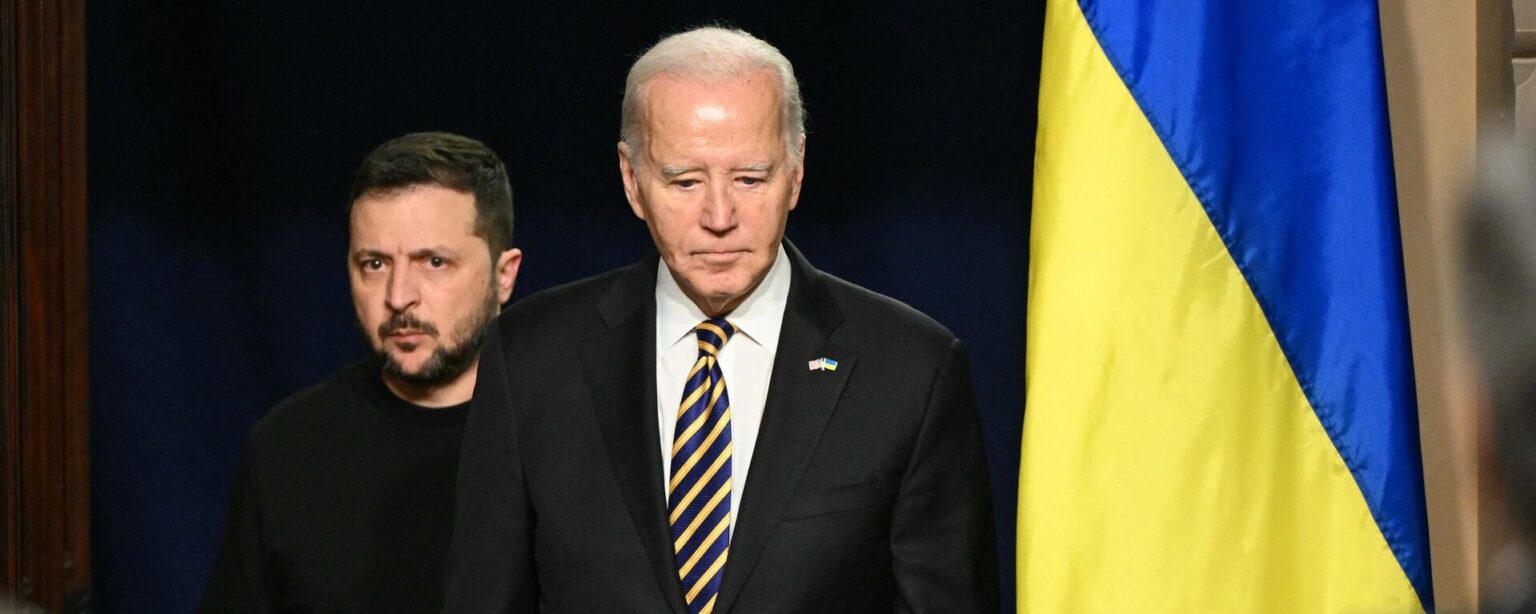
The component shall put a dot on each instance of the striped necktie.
(699, 495)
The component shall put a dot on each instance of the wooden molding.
(44, 472)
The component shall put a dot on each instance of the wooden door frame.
(44, 340)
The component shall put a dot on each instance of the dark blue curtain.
(223, 136)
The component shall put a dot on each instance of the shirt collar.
(759, 317)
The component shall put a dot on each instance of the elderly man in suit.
(720, 427)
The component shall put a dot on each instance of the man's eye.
(751, 181)
(373, 264)
(436, 262)
(685, 183)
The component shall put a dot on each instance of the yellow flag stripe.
(1168, 450)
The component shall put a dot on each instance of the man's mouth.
(719, 256)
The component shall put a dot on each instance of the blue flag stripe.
(1275, 112)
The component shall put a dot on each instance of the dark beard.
(448, 362)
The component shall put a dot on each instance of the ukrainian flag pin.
(822, 364)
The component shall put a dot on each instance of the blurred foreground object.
(1499, 267)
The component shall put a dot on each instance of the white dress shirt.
(746, 362)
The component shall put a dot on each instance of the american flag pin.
(822, 364)
(815, 365)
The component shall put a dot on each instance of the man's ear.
(507, 265)
(631, 183)
(798, 176)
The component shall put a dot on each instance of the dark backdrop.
(223, 136)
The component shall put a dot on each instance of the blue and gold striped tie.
(699, 495)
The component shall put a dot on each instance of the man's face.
(713, 183)
(423, 284)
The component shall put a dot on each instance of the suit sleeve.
(238, 583)
(490, 562)
(942, 536)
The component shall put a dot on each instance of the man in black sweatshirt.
(343, 500)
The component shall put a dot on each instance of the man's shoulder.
(554, 314)
(559, 300)
(309, 411)
(869, 314)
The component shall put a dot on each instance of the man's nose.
(719, 213)
(402, 293)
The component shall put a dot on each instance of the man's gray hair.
(712, 54)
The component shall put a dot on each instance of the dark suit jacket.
(868, 489)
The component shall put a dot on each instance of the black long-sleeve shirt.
(343, 502)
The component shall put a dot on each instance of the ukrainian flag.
(1220, 413)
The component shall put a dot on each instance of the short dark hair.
(459, 163)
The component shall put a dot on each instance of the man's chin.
(408, 366)
(721, 286)
(423, 368)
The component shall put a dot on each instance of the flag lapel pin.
(823, 364)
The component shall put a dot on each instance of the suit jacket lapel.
(619, 360)
(800, 402)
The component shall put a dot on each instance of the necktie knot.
(713, 334)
